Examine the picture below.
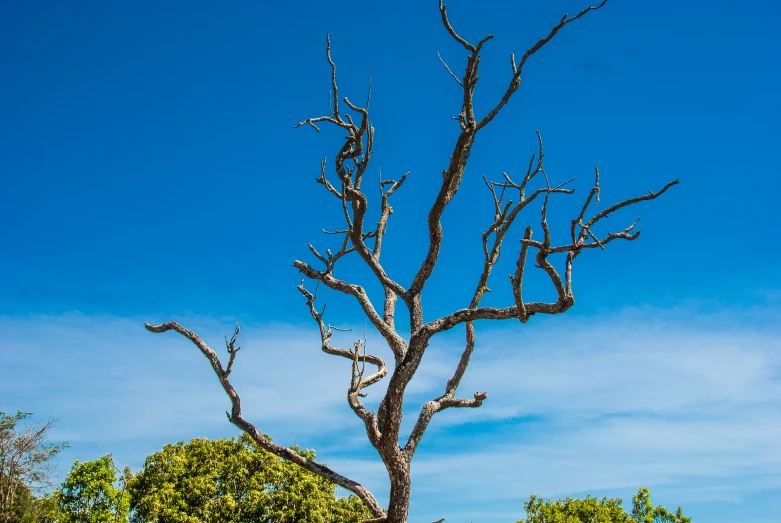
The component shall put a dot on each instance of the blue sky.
(151, 171)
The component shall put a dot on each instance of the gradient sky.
(150, 171)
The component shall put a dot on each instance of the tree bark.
(401, 487)
(351, 163)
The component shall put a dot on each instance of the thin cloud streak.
(685, 400)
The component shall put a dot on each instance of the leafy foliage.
(232, 481)
(643, 511)
(27, 508)
(22, 501)
(222, 481)
(593, 510)
(45, 509)
(589, 510)
(25, 460)
(92, 493)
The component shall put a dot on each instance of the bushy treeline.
(220, 481)
(223, 480)
(605, 510)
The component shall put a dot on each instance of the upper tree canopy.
(92, 493)
(364, 227)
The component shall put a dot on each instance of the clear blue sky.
(150, 171)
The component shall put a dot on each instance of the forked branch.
(510, 196)
(396, 342)
(236, 418)
(350, 165)
(515, 80)
(451, 177)
(565, 297)
(357, 381)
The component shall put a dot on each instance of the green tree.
(25, 463)
(28, 508)
(643, 511)
(45, 509)
(92, 493)
(232, 481)
(593, 510)
(22, 504)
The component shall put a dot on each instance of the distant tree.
(593, 510)
(643, 511)
(94, 493)
(46, 509)
(360, 235)
(23, 503)
(28, 508)
(234, 481)
(25, 463)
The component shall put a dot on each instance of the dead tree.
(351, 162)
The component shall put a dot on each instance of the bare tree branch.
(232, 349)
(432, 407)
(354, 201)
(446, 23)
(509, 199)
(357, 382)
(396, 343)
(517, 280)
(236, 418)
(385, 210)
(389, 304)
(469, 127)
(563, 288)
(515, 81)
(505, 215)
(449, 71)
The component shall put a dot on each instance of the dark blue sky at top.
(150, 166)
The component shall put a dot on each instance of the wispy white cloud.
(686, 399)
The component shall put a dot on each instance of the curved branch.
(351, 174)
(469, 127)
(650, 196)
(236, 418)
(385, 211)
(505, 215)
(446, 23)
(563, 287)
(395, 342)
(516, 282)
(389, 304)
(432, 407)
(451, 177)
(515, 81)
(357, 381)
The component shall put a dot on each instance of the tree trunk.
(398, 505)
